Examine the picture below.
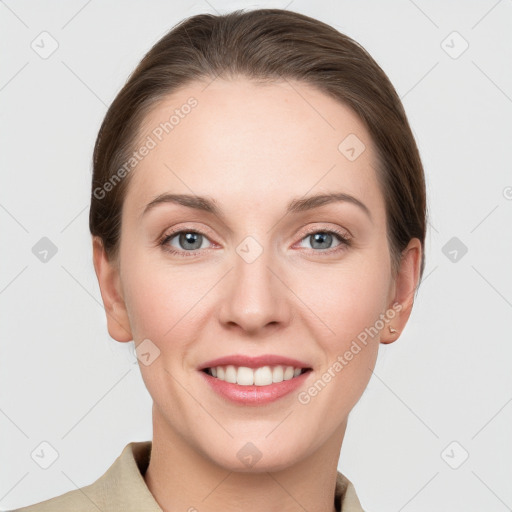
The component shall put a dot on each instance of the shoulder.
(72, 500)
(120, 488)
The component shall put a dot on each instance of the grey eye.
(187, 240)
(322, 239)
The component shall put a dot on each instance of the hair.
(264, 45)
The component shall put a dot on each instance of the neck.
(181, 478)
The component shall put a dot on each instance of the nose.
(255, 297)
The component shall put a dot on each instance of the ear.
(403, 290)
(110, 286)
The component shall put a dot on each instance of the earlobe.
(113, 302)
(405, 286)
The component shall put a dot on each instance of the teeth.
(277, 374)
(288, 373)
(231, 374)
(262, 376)
(245, 376)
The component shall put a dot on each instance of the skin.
(253, 148)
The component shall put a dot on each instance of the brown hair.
(265, 45)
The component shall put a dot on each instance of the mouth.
(259, 380)
(260, 376)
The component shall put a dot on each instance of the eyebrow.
(209, 205)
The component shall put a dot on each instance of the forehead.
(253, 145)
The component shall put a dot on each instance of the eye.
(323, 239)
(187, 240)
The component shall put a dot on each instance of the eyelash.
(345, 242)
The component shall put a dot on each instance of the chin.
(258, 456)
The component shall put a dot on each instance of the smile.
(262, 376)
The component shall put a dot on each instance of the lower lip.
(255, 395)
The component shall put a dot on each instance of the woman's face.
(255, 278)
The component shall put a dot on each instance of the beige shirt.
(123, 489)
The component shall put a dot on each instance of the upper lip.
(254, 362)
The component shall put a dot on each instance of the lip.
(254, 362)
(254, 395)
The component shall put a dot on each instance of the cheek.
(344, 299)
(167, 304)
(346, 305)
(160, 309)
(159, 305)
(156, 296)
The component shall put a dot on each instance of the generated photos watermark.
(343, 360)
(150, 143)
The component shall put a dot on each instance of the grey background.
(448, 378)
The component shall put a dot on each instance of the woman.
(258, 217)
